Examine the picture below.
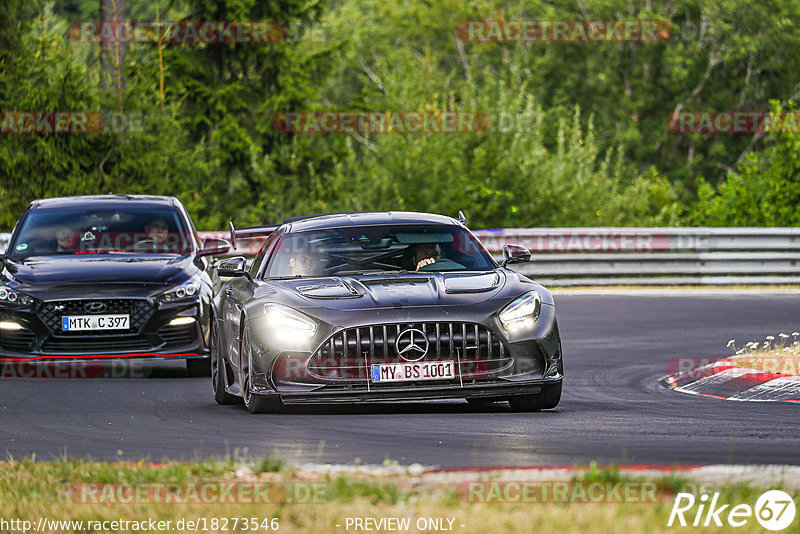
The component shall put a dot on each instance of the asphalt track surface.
(613, 410)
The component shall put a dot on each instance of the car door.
(234, 296)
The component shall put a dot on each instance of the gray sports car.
(380, 307)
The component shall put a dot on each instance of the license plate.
(403, 372)
(71, 323)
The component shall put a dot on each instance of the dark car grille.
(95, 345)
(139, 310)
(17, 340)
(346, 355)
(168, 337)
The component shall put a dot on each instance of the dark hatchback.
(106, 277)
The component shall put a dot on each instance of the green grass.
(270, 464)
(30, 490)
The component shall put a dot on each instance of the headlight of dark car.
(289, 323)
(522, 312)
(12, 297)
(185, 291)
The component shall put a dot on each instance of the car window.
(259, 259)
(362, 249)
(103, 229)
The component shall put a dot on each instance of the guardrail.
(653, 256)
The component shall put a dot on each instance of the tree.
(765, 188)
(113, 49)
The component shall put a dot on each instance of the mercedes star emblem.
(408, 347)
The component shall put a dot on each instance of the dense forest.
(576, 133)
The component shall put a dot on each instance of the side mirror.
(213, 246)
(231, 267)
(515, 254)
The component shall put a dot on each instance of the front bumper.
(39, 340)
(532, 360)
(496, 391)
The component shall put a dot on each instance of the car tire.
(547, 399)
(199, 367)
(218, 370)
(254, 403)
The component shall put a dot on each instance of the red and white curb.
(724, 379)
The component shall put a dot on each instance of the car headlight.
(289, 322)
(14, 298)
(522, 312)
(187, 290)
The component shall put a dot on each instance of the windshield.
(371, 249)
(107, 230)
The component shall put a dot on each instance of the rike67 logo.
(774, 510)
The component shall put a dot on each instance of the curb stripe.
(723, 379)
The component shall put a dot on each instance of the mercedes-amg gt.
(380, 307)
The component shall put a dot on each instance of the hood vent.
(387, 281)
(338, 289)
(471, 283)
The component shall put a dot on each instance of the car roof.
(59, 202)
(339, 220)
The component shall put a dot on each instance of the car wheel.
(218, 370)
(546, 399)
(199, 367)
(254, 403)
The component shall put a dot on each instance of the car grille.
(139, 310)
(95, 345)
(17, 340)
(168, 337)
(346, 355)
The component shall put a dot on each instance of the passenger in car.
(66, 240)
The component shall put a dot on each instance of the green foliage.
(270, 464)
(42, 76)
(152, 155)
(765, 189)
(534, 166)
(578, 131)
(348, 489)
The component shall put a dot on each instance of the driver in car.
(156, 238)
(305, 263)
(428, 254)
(425, 254)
